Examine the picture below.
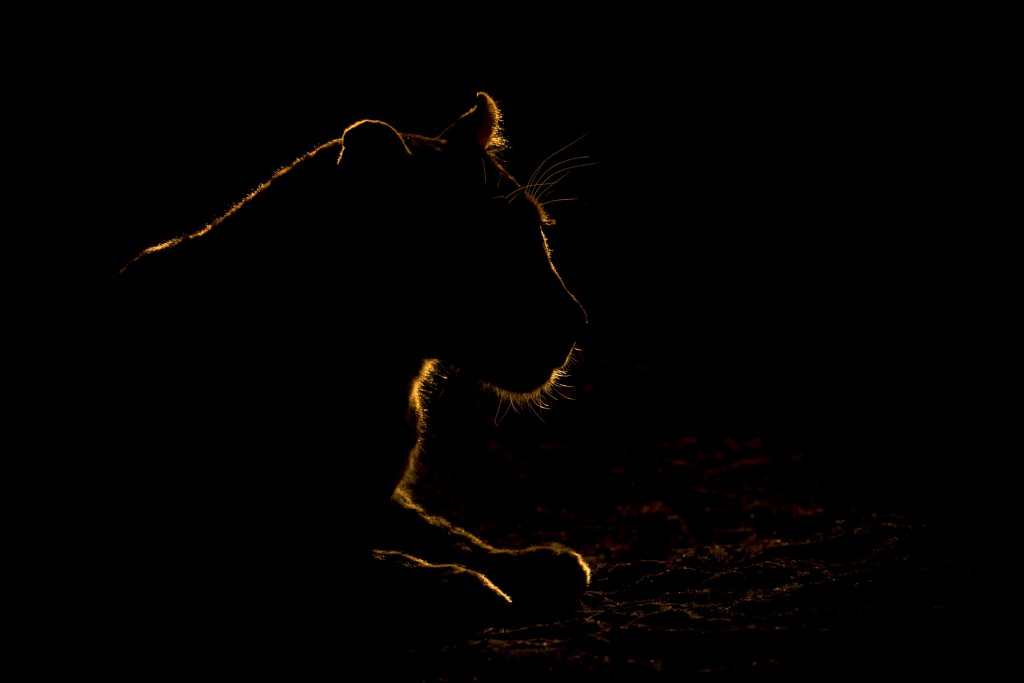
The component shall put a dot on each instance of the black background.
(783, 235)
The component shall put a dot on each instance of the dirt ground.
(718, 545)
(711, 552)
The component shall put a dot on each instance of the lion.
(274, 371)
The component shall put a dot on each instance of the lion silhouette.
(273, 379)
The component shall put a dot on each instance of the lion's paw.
(549, 576)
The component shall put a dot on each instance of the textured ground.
(711, 553)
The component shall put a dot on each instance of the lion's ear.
(480, 126)
(371, 143)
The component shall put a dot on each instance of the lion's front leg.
(416, 596)
(548, 576)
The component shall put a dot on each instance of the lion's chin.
(528, 385)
